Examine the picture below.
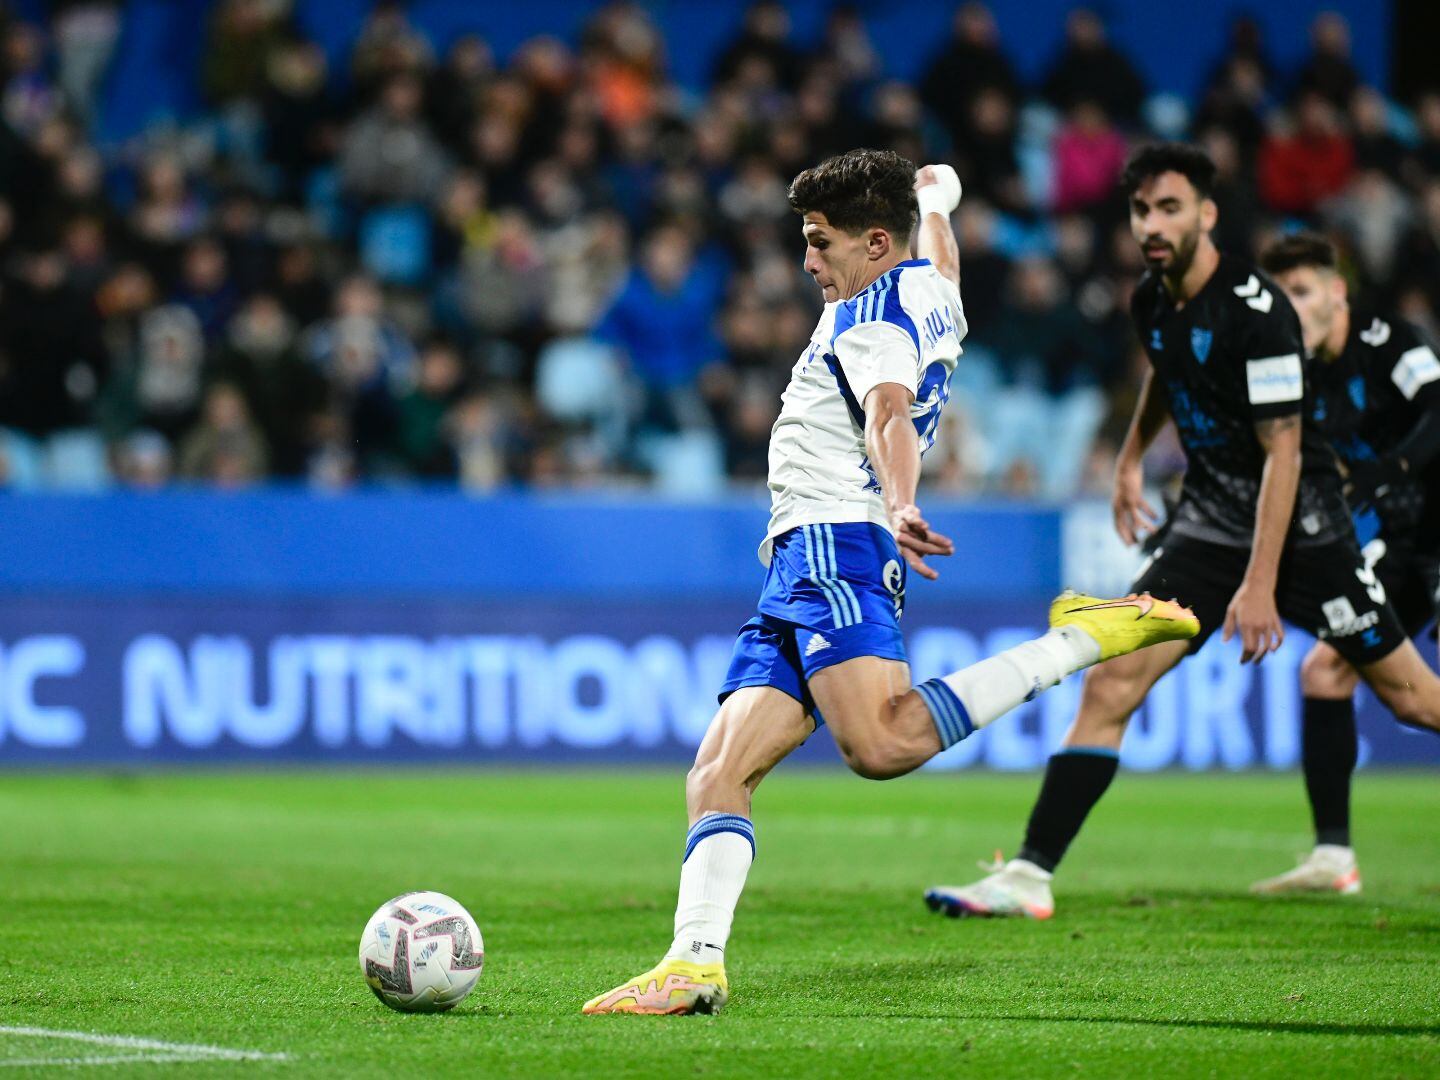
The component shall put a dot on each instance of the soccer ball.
(421, 952)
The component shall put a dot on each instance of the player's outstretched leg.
(884, 728)
(1328, 752)
(755, 729)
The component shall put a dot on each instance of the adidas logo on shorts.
(816, 644)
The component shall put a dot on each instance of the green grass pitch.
(225, 910)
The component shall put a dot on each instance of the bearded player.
(1261, 532)
(825, 647)
(1376, 397)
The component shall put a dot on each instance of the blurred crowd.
(565, 270)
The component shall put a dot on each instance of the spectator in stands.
(662, 321)
(244, 36)
(28, 100)
(764, 41)
(205, 286)
(168, 213)
(86, 32)
(970, 65)
(987, 159)
(1376, 146)
(1299, 167)
(420, 432)
(144, 460)
(389, 45)
(1054, 375)
(1374, 214)
(1418, 260)
(1234, 191)
(301, 128)
(1235, 103)
(389, 155)
(1090, 68)
(457, 88)
(1089, 156)
(52, 366)
(621, 50)
(1329, 72)
(1427, 118)
(368, 362)
(225, 448)
(846, 47)
(285, 394)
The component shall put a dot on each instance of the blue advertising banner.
(135, 680)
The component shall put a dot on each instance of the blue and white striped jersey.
(906, 328)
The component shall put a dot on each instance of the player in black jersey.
(1262, 529)
(1375, 394)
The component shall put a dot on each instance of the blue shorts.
(832, 593)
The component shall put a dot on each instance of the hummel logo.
(1255, 295)
(816, 644)
(1377, 335)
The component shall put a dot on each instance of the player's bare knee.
(705, 783)
(1409, 706)
(1324, 673)
(1112, 691)
(874, 758)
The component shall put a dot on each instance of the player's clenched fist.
(937, 189)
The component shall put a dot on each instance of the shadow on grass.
(1283, 1027)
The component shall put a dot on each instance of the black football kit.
(1378, 405)
(1228, 359)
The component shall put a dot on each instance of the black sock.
(1075, 779)
(1328, 753)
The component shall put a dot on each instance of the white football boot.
(1018, 888)
(1329, 868)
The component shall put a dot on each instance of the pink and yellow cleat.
(1127, 624)
(670, 988)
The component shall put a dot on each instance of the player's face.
(1316, 295)
(1167, 219)
(834, 258)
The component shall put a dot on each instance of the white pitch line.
(132, 1042)
(118, 1059)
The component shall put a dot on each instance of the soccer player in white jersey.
(825, 647)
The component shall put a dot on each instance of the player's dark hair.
(1189, 161)
(860, 189)
(1297, 250)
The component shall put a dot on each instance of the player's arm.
(1252, 612)
(880, 361)
(894, 452)
(1417, 375)
(1275, 388)
(937, 190)
(1133, 514)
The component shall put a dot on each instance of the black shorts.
(1328, 591)
(1411, 578)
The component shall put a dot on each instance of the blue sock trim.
(1090, 751)
(952, 720)
(711, 824)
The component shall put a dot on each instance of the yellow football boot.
(670, 988)
(1124, 625)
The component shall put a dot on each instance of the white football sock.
(988, 690)
(711, 880)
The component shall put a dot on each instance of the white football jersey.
(904, 328)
